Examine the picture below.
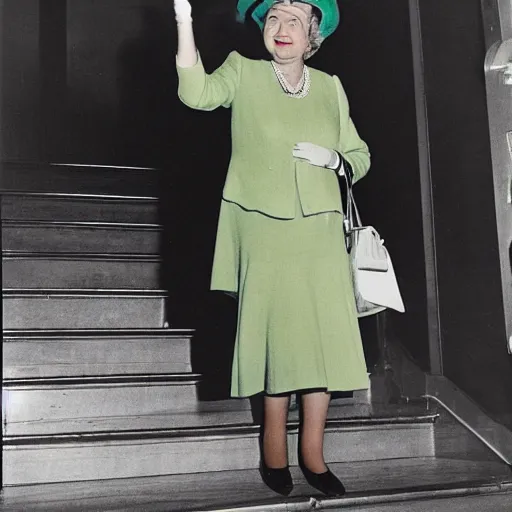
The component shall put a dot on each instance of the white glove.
(183, 11)
(317, 155)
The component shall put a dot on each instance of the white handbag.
(373, 276)
(375, 285)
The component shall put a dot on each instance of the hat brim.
(329, 9)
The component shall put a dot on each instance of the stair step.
(369, 484)
(80, 179)
(73, 457)
(221, 413)
(206, 415)
(134, 403)
(67, 270)
(80, 237)
(78, 208)
(83, 309)
(32, 401)
(116, 403)
(29, 354)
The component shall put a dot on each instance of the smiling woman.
(300, 22)
(286, 37)
(291, 35)
(280, 244)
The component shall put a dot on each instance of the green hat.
(328, 8)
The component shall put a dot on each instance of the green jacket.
(263, 175)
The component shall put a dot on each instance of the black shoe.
(326, 482)
(279, 480)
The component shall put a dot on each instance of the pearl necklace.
(301, 90)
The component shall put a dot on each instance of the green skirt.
(297, 321)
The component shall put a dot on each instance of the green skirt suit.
(280, 242)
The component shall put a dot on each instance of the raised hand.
(183, 11)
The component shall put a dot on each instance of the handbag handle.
(352, 219)
(352, 215)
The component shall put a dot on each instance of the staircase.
(96, 389)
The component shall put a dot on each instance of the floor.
(366, 482)
(487, 503)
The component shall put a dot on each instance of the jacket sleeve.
(203, 91)
(352, 148)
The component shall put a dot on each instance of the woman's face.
(286, 31)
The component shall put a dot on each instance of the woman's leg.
(314, 410)
(275, 450)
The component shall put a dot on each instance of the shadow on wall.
(192, 148)
(146, 80)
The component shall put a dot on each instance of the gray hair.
(315, 38)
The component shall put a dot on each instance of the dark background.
(94, 82)
(470, 297)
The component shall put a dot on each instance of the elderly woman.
(280, 242)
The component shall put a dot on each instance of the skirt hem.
(336, 389)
